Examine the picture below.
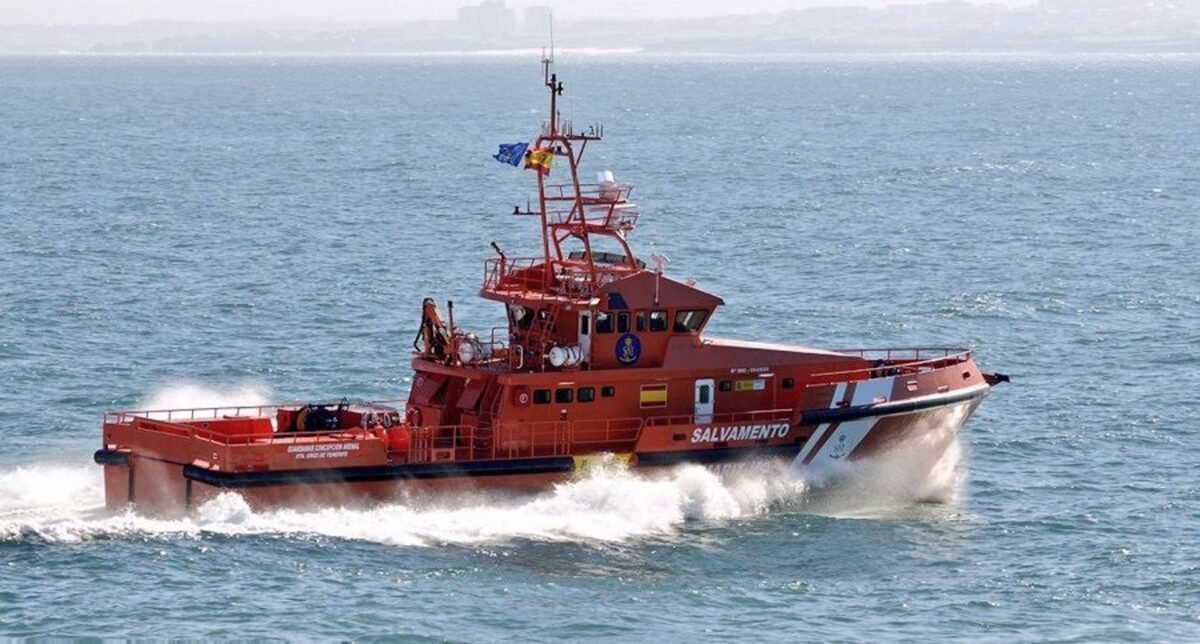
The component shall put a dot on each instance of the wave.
(63, 503)
(206, 398)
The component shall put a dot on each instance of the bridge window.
(520, 316)
(690, 321)
(541, 396)
(641, 321)
(604, 322)
(658, 320)
(608, 391)
(586, 394)
(563, 396)
(623, 322)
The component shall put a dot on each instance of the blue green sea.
(179, 231)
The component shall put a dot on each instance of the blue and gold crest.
(629, 349)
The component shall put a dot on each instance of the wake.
(64, 502)
(61, 503)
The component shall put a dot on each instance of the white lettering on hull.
(314, 451)
(763, 431)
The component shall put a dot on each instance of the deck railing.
(887, 362)
(760, 416)
(428, 444)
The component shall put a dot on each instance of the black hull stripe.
(470, 469)
(844, 414)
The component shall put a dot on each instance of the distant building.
(536, 23)
(491, 18)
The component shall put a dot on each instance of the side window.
(690, 321)
(623, 322)
(583, 324)
(658, 320)
(541, 396)
(641, 321)
(788, 383)
(604, 322)
(586, 394)
(563, 396)
(608, 391)
(705, 396)
(726, 385)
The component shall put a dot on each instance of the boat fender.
(521, 397)
(300, 419)
(413, 415)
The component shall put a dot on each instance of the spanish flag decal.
(654, 396)
(539, 160)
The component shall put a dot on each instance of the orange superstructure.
(602, 354)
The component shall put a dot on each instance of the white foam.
(608, 503)
(208, 399)
(927, 469)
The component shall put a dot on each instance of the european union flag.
(511, 153)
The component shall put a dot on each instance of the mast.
(551, 81)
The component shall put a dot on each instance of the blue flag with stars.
(511, 153)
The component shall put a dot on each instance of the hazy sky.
(123, 11)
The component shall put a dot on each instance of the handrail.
(197, 413)
(947, 359)
(507, 440)
(889, 352)
(217, 413)
(590, 192)
(724, 417)
(186, 430)
(570, 278)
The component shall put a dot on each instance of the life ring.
(413, 416)
(301, 419)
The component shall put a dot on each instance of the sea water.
(190, 231)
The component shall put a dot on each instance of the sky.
(125, 11)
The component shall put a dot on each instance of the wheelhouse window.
(641, 321)
(604, 322)
(690, 321)
(520, 316)
(541, 396)
(658, 320)
(564, 396)
(623, 322)
(586, 394)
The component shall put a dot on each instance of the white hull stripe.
(844, 440)
(812, 442)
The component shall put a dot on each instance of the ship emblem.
(839, 448)
(629, 349)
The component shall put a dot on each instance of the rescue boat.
(603, 356)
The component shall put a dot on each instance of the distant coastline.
(951, 26)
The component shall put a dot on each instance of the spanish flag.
(539, 160)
